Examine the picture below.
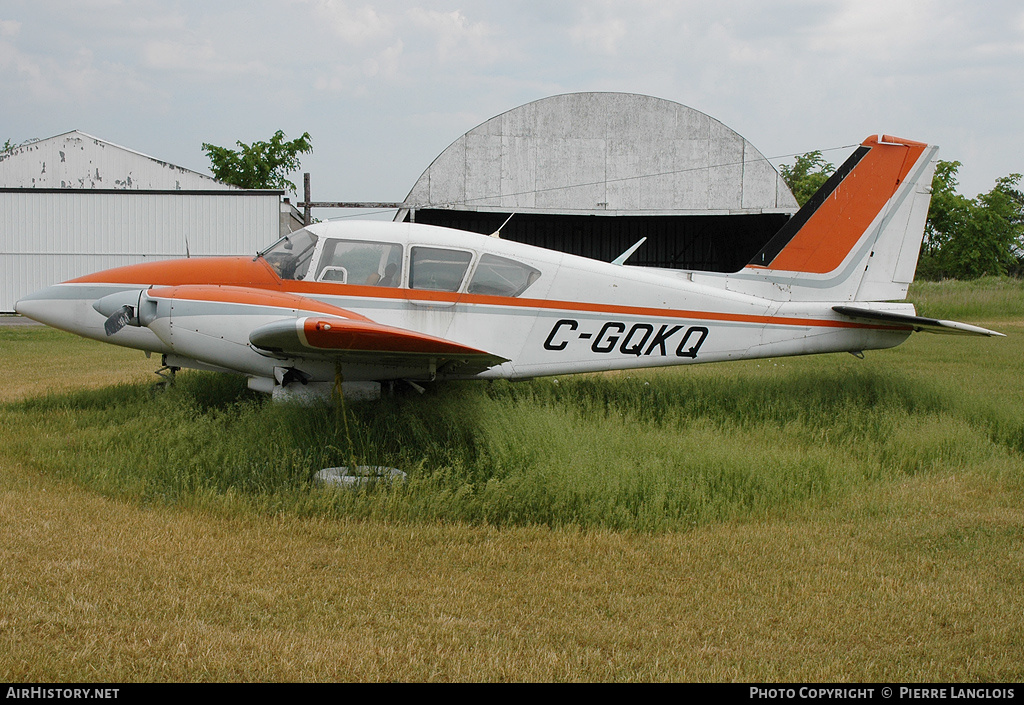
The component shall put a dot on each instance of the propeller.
(121, 308)
(119, 319)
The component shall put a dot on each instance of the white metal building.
(603, 154)
(74, 204)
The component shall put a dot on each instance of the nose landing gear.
(166, 375)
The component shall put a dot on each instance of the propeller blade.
(118, 319)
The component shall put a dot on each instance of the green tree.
(966, 238)
(260, 164)
(807, 175)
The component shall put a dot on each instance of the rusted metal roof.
(75, 160)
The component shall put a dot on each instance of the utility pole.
(307, 216)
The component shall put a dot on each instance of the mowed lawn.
(910, 567)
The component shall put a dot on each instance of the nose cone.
(64, 307)
(40, 305)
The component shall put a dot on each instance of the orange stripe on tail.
(834, 219)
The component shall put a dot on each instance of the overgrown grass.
(987, 298)
(648, 452)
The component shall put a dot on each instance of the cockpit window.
(359, 262)
(499, 276)
(435, 269)
(290, 255)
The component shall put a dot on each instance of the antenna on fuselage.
(497, 233)
(621, 259)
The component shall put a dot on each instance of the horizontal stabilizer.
(919, 323)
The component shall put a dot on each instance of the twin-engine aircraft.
(370, 302)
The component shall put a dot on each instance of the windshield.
(290, 255)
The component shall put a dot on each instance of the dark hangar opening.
(714, 243)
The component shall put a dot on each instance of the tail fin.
(859, 236)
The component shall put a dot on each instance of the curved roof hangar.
(603, 154)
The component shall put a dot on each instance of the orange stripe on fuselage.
(827, 238)
(355, 291)
(221, 278)
(376, 292)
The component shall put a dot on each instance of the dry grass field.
(910, 567)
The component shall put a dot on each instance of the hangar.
(74, 204)
(592, 173)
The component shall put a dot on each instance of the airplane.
(361, 303)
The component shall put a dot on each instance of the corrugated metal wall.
(50, 236)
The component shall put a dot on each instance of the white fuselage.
(574, 314)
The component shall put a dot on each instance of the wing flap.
(919, 323)
(363, 341)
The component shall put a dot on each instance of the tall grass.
(648, 452)
(987, 298)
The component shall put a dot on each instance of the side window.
(359, 262)
(435, 269)
(499, 276)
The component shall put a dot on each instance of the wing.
(357, 340)
(919, 323)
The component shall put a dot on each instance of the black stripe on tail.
(779, 241)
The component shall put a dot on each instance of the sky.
(384, 87)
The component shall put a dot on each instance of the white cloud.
(599, 36)
(77, 79)
(358, 27)
(789, 75)
(386, 63)
(196, 58)
(351, 77)
(9, 28)
(399, 46)
(160, 24)
(874, 30)
(171, 55)
(454, 36)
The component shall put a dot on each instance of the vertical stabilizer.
(859, 236)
